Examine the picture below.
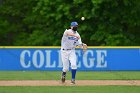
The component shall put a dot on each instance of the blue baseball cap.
(74, 24)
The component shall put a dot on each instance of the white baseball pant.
(68, 56)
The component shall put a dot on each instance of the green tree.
(12, 26)
(42, 22)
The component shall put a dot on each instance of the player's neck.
(73, 31)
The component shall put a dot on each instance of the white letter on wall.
(22, 59)
(101, 62)
(78, 52)
(59, 59)
(41, 62)
(48, 60)
(91, 60)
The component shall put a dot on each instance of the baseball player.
(70, 40)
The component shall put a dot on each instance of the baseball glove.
(84, 47)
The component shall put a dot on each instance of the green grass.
(55, 75)
(72, 89)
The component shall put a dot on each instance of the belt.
(66, 49)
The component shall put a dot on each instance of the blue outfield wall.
(96, 58)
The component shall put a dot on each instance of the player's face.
(74, 28)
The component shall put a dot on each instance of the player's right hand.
(78, 37)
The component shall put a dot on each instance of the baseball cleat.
(72, 81)
(63, 79)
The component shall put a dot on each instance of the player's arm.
(82, 45)
(71, 34)
(79, 42)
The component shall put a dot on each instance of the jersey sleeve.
(66, 31)
(79, 42)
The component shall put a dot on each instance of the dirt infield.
(58, 83)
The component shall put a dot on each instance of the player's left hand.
(84, 47)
